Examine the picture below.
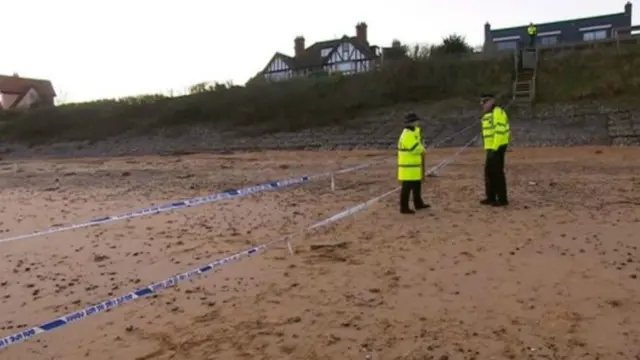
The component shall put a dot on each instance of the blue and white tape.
(180, 204)
(471, 125)
(144, 291)
(442, 141)
(185, 203)
(448, 160)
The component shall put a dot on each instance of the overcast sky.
(94, 49)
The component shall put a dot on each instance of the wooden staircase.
(524, 85)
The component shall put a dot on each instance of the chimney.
(298, 45)
(361, 32)
(627, 10)
(488, 39)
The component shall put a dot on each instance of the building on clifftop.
(347, 55)
(570, 31)
(23, 93)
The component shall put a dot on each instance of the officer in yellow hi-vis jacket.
(533, 32)
(411, 165)
(496, 136)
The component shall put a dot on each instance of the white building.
(346, 55)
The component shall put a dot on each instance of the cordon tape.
(207, 199)
(174, 205)
(144, 291)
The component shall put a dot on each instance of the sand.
(554, 276)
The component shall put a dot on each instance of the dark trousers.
(532, 40)
(408, 188)
(495, 182)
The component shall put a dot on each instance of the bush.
(265, 107)
(450, 70)
(588, 75)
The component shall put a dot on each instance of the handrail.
(626, 30)
(626, 34)
(533, 78)
(532, 91)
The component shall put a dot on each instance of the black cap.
(486, 97)
(411, 117)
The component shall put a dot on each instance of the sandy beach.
(554, 276)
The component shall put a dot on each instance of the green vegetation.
(605, 74)
(428, 75)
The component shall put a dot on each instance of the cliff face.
(560, 125)
(360, 111)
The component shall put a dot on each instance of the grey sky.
(95, 49)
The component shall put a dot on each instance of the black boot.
(488, 202)
(422, 206)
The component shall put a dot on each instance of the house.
(22, 93)
(348, 55)
(566, 31)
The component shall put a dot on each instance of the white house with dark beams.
(347, 55)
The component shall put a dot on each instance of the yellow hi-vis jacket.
(410, 150)
(532, 30)
(495, 129)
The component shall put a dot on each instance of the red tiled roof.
(20, 85)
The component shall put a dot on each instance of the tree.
(420, 52)
(62, 98)
(200, 88)
(397, 51)
(453, 44)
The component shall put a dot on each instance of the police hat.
(486, 97)
(411, 117)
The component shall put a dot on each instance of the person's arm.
(418, 148)
(500, 127)
(490, 143)
(507, 126)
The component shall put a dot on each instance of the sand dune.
(555, 276)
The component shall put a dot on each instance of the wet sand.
(554, 276)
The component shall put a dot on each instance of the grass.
(331, 100)
(595, 74)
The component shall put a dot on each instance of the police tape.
(174, 280)
(459, 132)
(180, 204)
(174, 205)
(471, 125)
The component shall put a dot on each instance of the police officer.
(496, 136)
(411, 165)
(532, 31)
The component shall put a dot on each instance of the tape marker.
(117, 301)
(185, 203)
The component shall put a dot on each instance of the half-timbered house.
(347, 55)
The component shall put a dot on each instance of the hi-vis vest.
(532, 30)
(495, 129)
(410, 150)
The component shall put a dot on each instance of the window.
(345, 48)
(549, 40)
(507, 45)
(594, 35)
(345, 66)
